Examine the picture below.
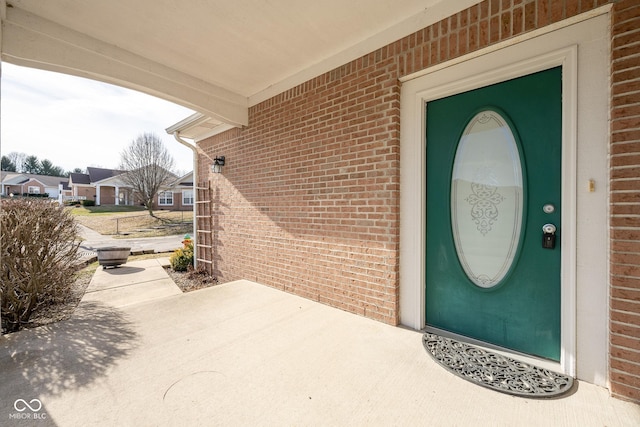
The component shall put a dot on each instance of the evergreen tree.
(7, 164)
(32, 165)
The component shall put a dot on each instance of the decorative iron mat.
(495, 371)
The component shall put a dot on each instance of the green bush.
(182, 258)
(88, 203)
(39, 247)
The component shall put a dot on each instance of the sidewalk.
(93, 240)
(132, 283)
(139, 352)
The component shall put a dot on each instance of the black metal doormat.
(495, 371)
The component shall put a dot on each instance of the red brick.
(572, 7)
(629, 184)
(626, 330)
(625, 221)
(625, 203)
(625, 246)
(618, 366)
(625, 392)
(494, 7)
(542, 13)
(453, 46)
(483, 35)
(529, 16)
(626, 160)
(557, 12)
(626, 12)
(624, 111)
(517, 21)
(621, 353)
(484, 10)
(622, 341)
(494, 29)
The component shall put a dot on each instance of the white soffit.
(198, 127)
(217, 57)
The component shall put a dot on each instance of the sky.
(76, 122)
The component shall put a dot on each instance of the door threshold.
(550, 365)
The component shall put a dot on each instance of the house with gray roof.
(17, 183)
(106, 187)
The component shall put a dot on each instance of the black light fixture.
(217, 165)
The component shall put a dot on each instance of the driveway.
(93, 240)
(139, 353)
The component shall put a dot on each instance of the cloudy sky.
(76, 122)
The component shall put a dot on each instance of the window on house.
(187, 197)
(165, 198)
(34, 190)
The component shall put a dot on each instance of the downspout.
(193, 148)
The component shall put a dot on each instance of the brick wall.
(625, 201)
(88, 192)
(309, 199)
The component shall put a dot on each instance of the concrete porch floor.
(139, 353)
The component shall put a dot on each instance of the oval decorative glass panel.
(487, 199)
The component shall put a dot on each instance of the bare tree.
(148, 166)
(17, 159)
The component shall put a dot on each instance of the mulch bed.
(192, 280)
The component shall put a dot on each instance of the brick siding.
(308, 201)
(625, 201)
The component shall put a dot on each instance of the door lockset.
(548, 236)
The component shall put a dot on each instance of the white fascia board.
(187, 123)
(33, 41)
(36, 180)
(14, 180)
(111, 181)
(184, 177)
(198, 127)
(223, 127)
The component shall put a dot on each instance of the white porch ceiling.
(217, 57)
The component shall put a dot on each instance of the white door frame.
(581, 47)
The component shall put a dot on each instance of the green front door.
(493, 183)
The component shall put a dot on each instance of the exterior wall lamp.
(217, 165)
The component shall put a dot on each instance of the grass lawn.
(133, 221)
(105, 210)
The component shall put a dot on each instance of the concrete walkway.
(131, 283)
(138, 352)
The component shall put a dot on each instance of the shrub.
(182, 258)
(42, 195)
(39, 247)
(88, 203)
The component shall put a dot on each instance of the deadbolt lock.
(549, 236)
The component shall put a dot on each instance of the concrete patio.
(138, 352)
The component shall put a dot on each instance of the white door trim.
(577, 48)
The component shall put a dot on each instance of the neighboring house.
(81, 188)
(106, 187)
(100, 185)
(178, 195)
(17, 183)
